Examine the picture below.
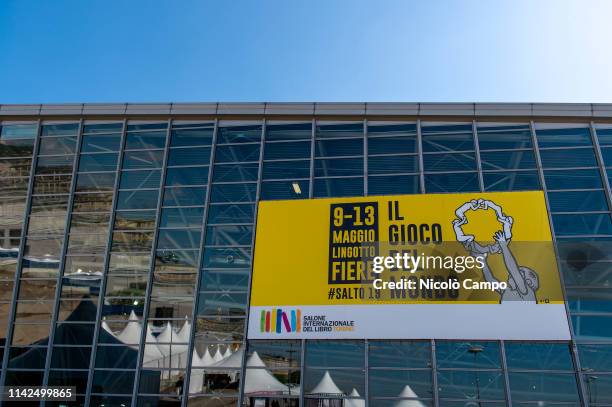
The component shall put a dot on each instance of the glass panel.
(575, 157)
(59, 129)
(222, 304)
(277, 354)
(140, 179)
(447, 137)
(329, 353)
(392, 383)
(176, 261)
(578, 201)
(16, 148)
(560, 137)
(137, 199)
(147, 139)
(235, 153)
(233, 213)
(115, 357)
(229, 235)
(100, 143)
(48, 184)
(286, 169)
(55, 165)
(606, 154)
(16, 167)
(450, 354)
(14, 186)
(120, 382)
(143, 159)
(510, 136)
(339, 130)
(537, 386)
(457, 182)
(399, 354)
(24, 378)
(346, 380)
(189, 156)
(98, 162)
(470, 385)
(273, 151)
(102, 127)
(201, 136)
(538, 356)
(184, 196)
(511, 181)
(224, 280)
(449, 162)
(376, 129)
(87, 244)
(233, 193)
(142, 126)
(132, 241)
(393, 164)
(398, 184)
(292, 131)
(18, 131)
(27, 357)
(582, 224)
(181, 217)
(236, 172)
(501, 160)
(187, 176)
(391, 145)
(339, 147)
(338, 167)
(588, 327)
(89, 222)
(57, 145)
(331, 187)
(227, 258)
(100, 202)
(134, 220)
(595, 357)
(95, 182)
(239, 134)
(284, 190)
(178, 239)
(574, 179)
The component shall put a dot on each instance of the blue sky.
(315, 50)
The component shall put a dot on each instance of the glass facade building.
(127, 238)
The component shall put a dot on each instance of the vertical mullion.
(23, 237)
(504, 365)
(62, 263)
(109, 241)
(302, 370)
(434, 373)
(575, 358)
(365, 157)
(191, 346)
(312, 157)
(602, 165)
(248, 300)
(366, 392)
(477, 153)
(147, 304)
(420, 153)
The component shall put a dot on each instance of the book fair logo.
(278, 320)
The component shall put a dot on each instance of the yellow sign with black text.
(365, 257)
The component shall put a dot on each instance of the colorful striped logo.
(278, 320)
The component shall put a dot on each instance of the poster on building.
(443, 266)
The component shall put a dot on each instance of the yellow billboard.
(359, 263)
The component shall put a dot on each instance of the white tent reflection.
(406, 393)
